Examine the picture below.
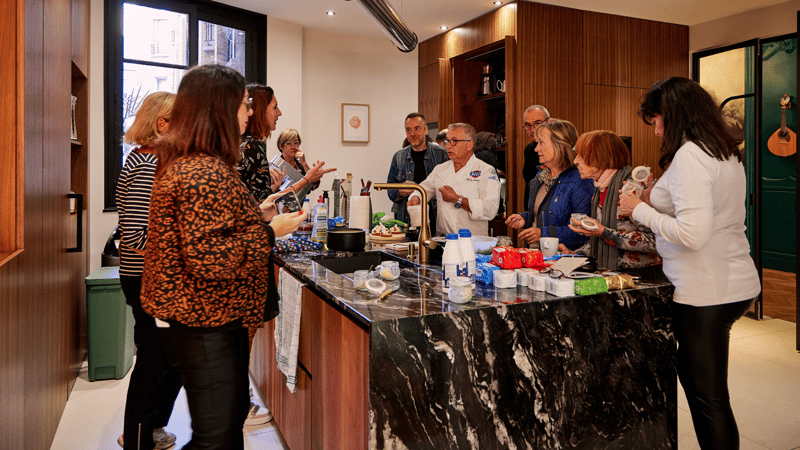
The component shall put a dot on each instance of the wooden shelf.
(490, 97)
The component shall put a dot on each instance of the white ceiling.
(424, 17)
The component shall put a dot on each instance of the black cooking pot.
(347, 239)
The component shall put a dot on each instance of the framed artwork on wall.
(355, 123)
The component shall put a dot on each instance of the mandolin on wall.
(783, 142)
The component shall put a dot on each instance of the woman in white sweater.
(697, 211)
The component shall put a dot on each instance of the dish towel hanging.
(287, 328)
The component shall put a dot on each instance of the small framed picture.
(355, 123)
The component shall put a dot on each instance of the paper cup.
(548, 246)
(415, 214)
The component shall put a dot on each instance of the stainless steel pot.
(347, 239)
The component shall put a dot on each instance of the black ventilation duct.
(389, 21)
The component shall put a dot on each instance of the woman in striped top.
(154, 384)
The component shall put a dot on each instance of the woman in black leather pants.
(697, 211)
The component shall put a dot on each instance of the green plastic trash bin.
(110, 326)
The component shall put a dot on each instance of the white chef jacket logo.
(475, 173)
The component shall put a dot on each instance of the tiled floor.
(764, 381)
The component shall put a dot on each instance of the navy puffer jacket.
(569, 194)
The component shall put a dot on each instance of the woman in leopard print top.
(206, 265)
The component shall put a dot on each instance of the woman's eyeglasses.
(552, 273)
(656, 85)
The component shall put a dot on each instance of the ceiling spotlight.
(330, 13)
(443, 27)
(498, 3)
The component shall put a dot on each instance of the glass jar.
(360, 278)
(503, 240)
(390, 270)
(460, 290)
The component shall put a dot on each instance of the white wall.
(285, 75)
(344, 69)
(312, 75)
(100, 224)
(761, 23)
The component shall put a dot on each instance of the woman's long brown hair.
(204, 118)
(689, 113)
(260, 97)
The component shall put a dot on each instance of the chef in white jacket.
(467, 189)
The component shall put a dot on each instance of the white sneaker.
(162, 439)
(257, 415)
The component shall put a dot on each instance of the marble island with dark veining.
(513, 368)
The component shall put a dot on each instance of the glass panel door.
(732, 75)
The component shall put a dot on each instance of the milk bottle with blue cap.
(451, 260)
(468, 267)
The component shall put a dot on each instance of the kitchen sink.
(357, 261)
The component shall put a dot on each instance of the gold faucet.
(425, 242)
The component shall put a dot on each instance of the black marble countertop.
(418, 291)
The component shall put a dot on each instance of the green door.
(778, 173)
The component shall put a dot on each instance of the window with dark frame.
(181, 34)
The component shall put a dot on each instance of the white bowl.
(482, 243)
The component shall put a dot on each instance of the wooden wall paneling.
(514, 153)
(429, 92)
(478, 32)
(466, 86)
(80, 34)
(446, 111)
(39, 286)
(430, 50)
(32, 260)
(10, 108)
(602, 49)
(614, 108)
(12, 356)
(623, 51)
(57, 337)
(550, 68)
(340, 409)
(481, 31)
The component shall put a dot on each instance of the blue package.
(483, 258)
(486, 272)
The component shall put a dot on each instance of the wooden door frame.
(796, 210)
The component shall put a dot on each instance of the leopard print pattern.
(208, 247)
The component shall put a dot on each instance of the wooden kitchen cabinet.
(592, 73)
(329, 410)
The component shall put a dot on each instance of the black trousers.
(154, 384)
(213, 363)
(703, 335)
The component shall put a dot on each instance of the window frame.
(254, 25)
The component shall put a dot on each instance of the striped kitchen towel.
(287, 327)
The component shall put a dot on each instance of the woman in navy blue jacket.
(557, 191)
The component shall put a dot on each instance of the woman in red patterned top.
(207, 262)
(616, 241)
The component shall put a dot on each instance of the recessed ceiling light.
(498, 3)
(443, 27)
(330, 13)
